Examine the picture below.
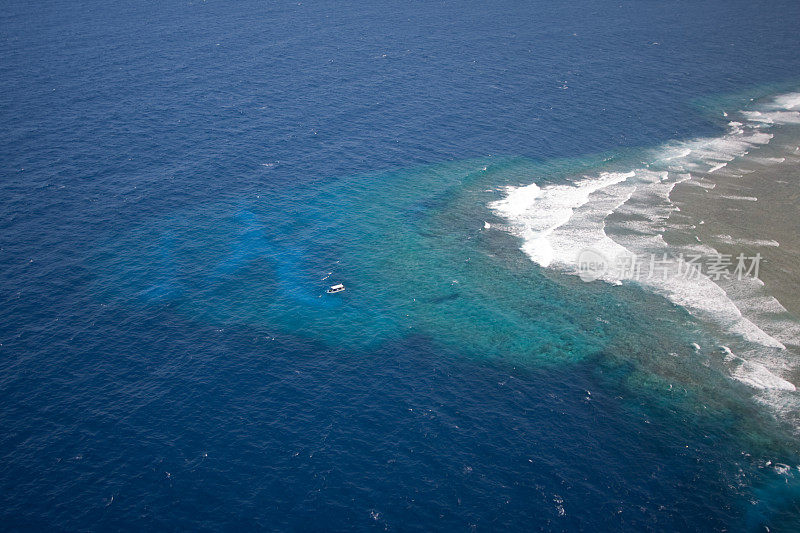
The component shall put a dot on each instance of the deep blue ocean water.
(178, 178)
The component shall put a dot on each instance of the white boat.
(335, 288)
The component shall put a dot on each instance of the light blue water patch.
(410, 246)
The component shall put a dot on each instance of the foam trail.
(739, 198)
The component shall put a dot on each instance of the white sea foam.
(678, 153)
(703, 184)
(709, 301)
(539, 212)
(768, 161)
(774, 117)
(759, 377)
(740, 198)
(785, 102)
(727, 239)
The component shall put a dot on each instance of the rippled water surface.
(181, 181)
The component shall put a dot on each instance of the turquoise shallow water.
(411, 246)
